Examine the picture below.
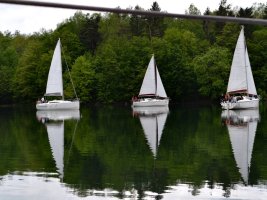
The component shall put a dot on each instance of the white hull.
(151, 102)
(58, 105)
(240, 104)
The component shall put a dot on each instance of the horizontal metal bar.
(139, 12)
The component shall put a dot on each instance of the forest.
(108, 54)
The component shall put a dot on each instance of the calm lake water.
(111, 152)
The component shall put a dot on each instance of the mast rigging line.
(138, 12)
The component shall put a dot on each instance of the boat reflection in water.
(242, 126)
(54, 122)
(57, 115)
(153, 120)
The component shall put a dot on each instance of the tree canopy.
(108, 54)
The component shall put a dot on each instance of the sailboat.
(241, 90)
(153, 120)
(54, 122)
(152, 92)
(54, 86)
(242, 126)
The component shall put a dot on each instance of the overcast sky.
(27, 19)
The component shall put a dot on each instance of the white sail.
(153, 125)
(160, 89)
(54, 85)
(241, 78)
(56, 139)
(250, 80)
(242, 130)
(152, 84)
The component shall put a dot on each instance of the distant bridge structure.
(138, 12)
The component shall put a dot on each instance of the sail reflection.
(242, 126)
(54, 122)
(153, 120)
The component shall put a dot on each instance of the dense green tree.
(108, 54)
(74, 23)
(193, 10)
(208, 28)
(116, 64)
(212, 71)
(6, 74)
(89, 35)
(223, 10)
(155, 24)
(175, 53)
(258, 10)
(26, 75)
(247, 12)
(137, 23)
(193, 26)
(83, 76)
(229, 36)
(8, 53)
(69, 32)
(113, 26)
(109, 70)
(256, 48)
(11, 48)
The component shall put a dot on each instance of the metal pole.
(139, 12)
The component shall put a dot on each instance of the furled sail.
(54, 85)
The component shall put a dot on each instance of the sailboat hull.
(240, 104)
(151, 102)
(58, 105)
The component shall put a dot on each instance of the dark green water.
(108, 152)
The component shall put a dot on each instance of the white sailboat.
(153, 120)
(54, 122)
(152, 92)
(241, 90)
(54, 86)
(242, 125)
